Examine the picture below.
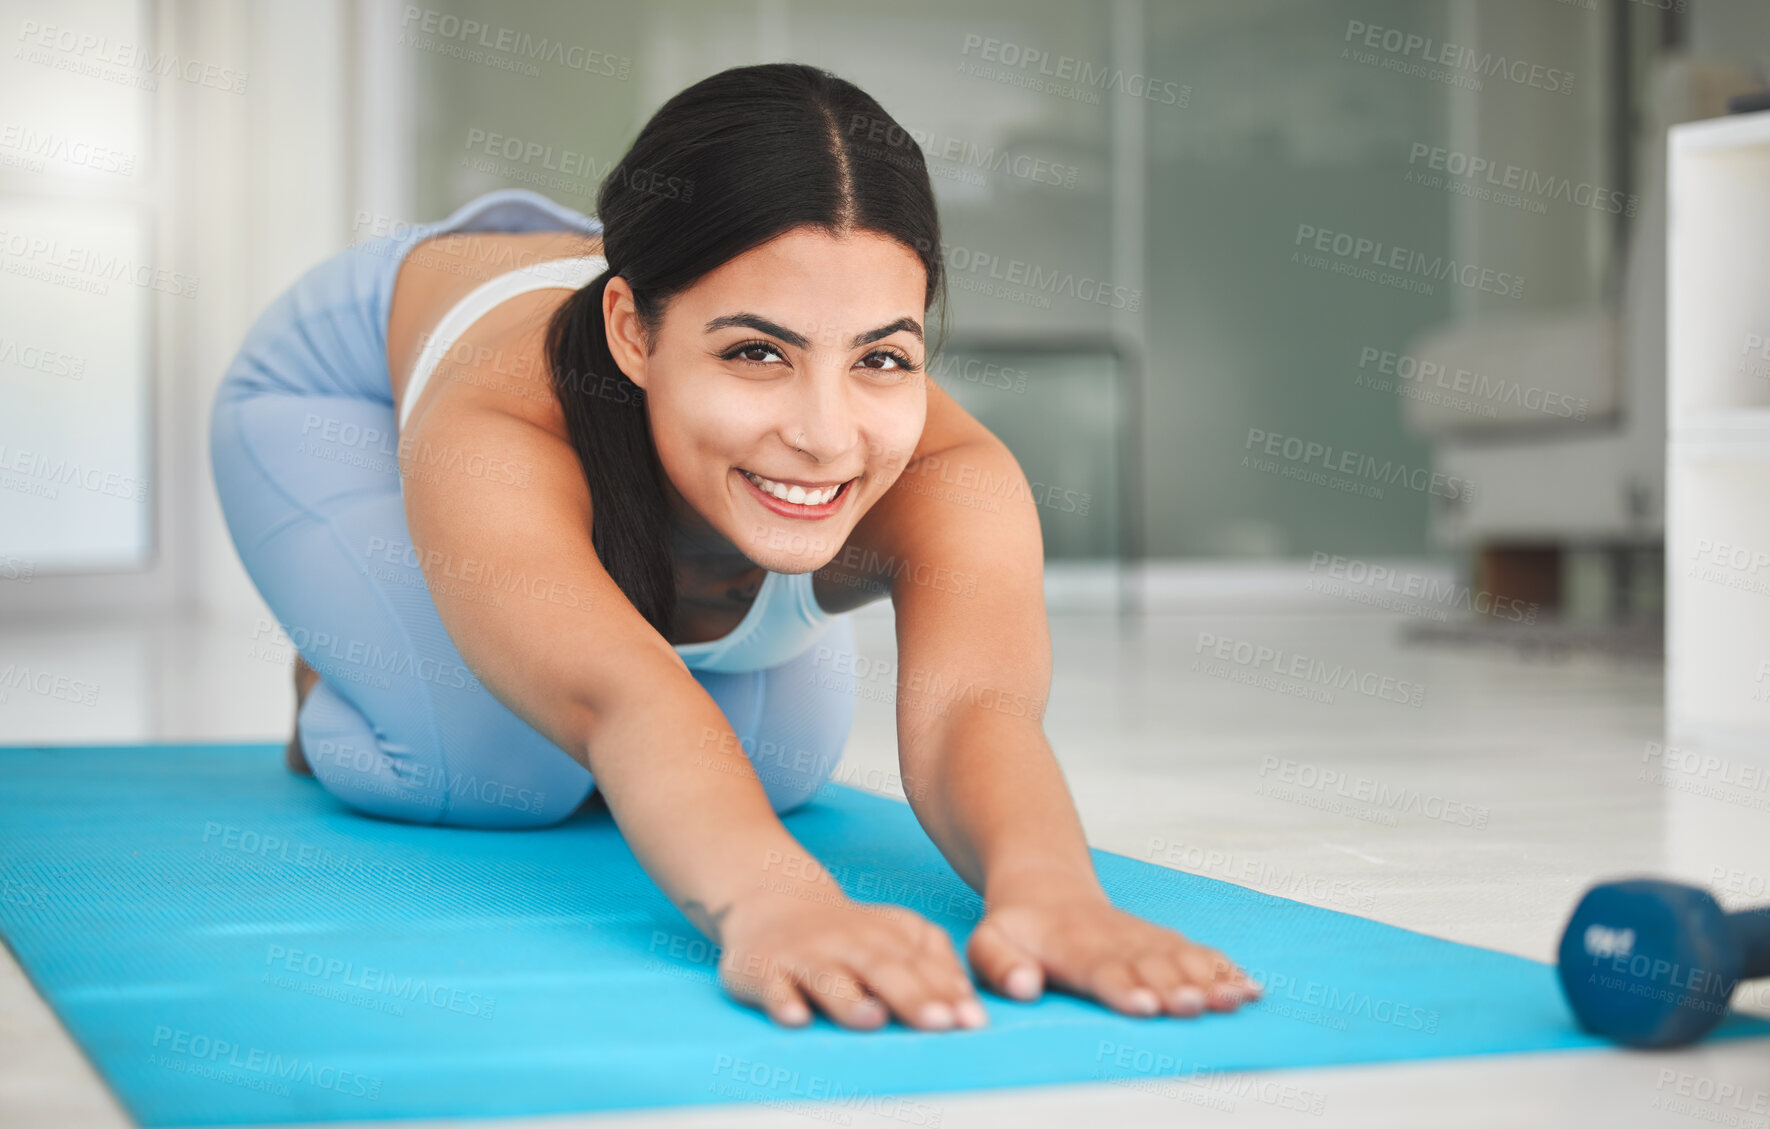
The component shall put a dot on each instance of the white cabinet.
(1718, 438)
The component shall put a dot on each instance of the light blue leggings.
(303, 445)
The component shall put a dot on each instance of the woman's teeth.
(796, 495)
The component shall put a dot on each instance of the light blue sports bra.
(785, 620)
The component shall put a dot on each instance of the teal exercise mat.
(230, 945)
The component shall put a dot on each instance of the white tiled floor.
(1164, 760)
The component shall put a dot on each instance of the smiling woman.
(551, 502)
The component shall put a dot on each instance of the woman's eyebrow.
(799, 340)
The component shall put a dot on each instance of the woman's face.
(795, 368)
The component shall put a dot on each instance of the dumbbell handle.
(1752, 929)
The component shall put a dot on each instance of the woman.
(549, 501)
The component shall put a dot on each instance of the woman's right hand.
(860, 964)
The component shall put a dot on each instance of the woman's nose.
(822, 427)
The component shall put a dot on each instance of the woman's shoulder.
(499, 361)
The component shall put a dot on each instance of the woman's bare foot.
(305, 677)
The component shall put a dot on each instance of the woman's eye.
(897, 362)
(748, 353)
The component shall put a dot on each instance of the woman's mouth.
(794, 499)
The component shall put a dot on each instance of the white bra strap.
(568, 274)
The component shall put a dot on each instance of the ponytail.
(606, 418)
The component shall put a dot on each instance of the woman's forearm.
(689, 803)
(991, 795)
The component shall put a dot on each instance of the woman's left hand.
(1078, 942)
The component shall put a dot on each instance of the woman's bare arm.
(498, 507)
(974, 656)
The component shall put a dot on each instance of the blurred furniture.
(1558, 416)
(1718, 443)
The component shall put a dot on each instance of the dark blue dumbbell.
(1653, 964)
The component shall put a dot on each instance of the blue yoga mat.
(228, 944)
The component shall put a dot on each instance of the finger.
(1114, 983)
(835, 988)
(1089, 964)
(1209, 970)
(907, 993)
(773, 992)
(1002, 965)
(1200, 968)
(1223, 991)
(1251, 989)
(941, 966)
(1161, 973)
